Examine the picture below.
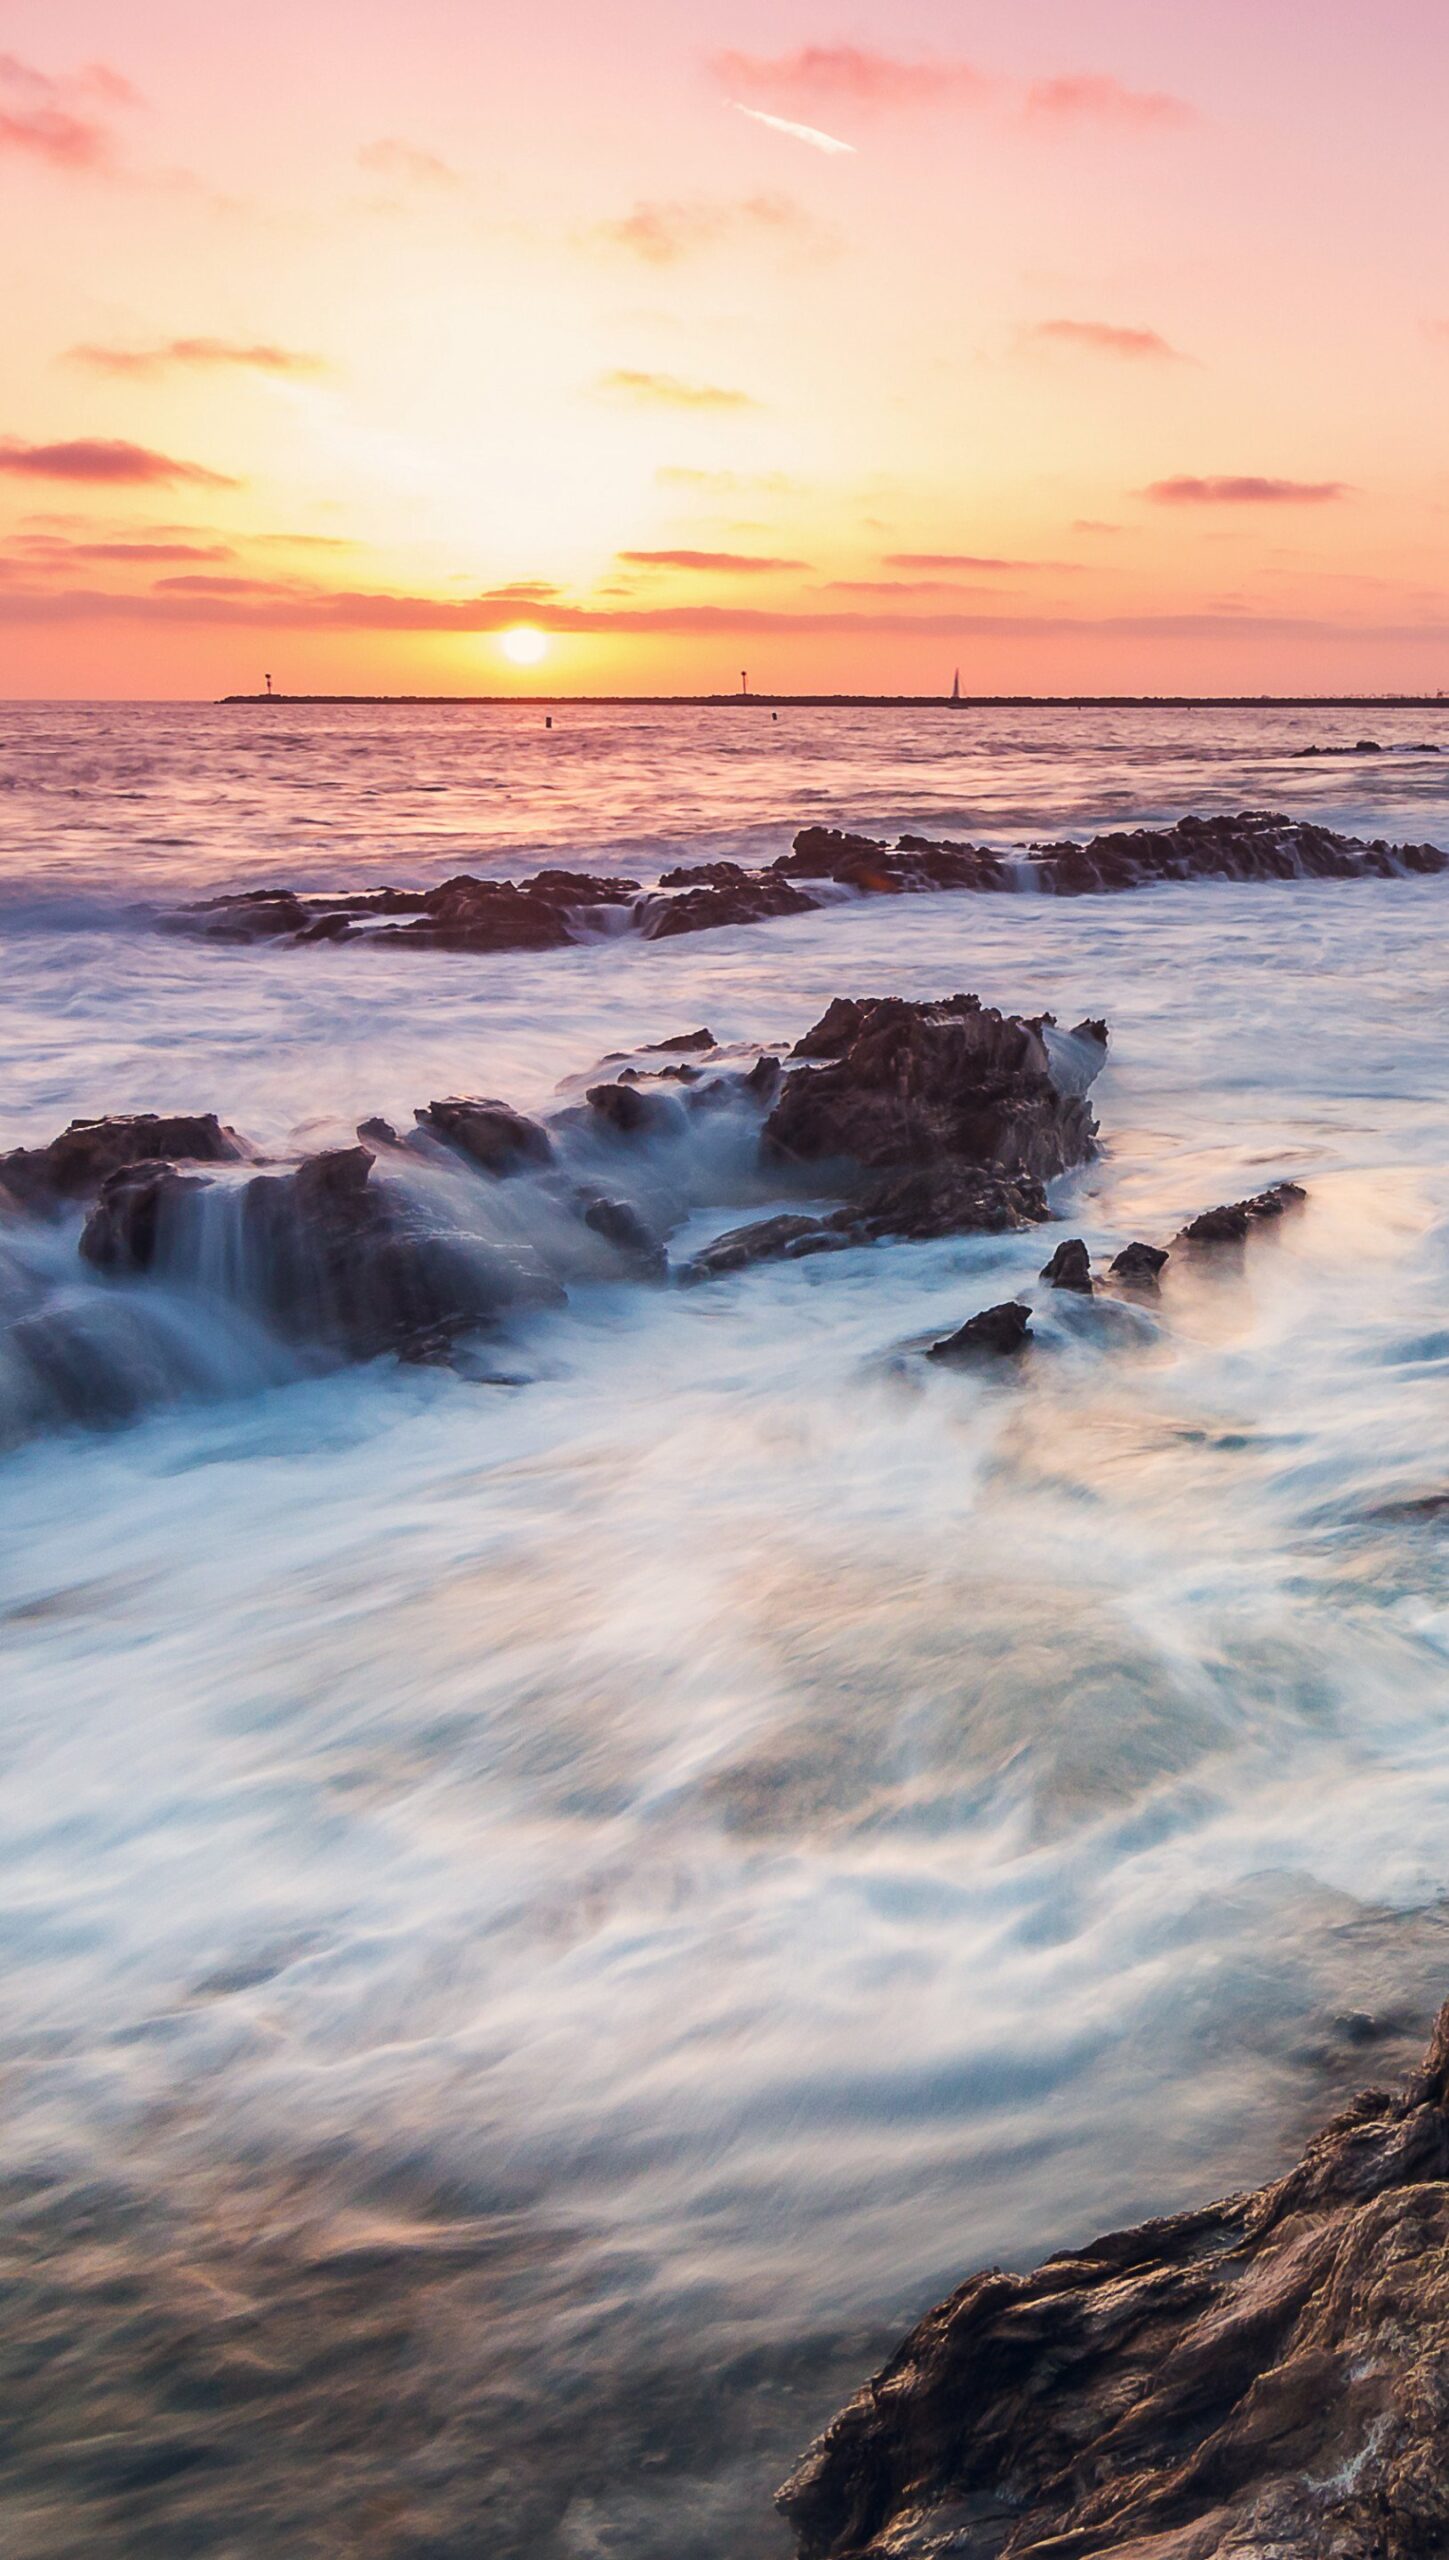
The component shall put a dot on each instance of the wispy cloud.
(406, 163)
(202, 354)
(1105, 338)
(55, 550)
(738, 563)
(664, 232)
(1244, 489)
(56, 119)
(810, 134)
(820, 77)
(959, 560)
(667, 391)
(106, 459)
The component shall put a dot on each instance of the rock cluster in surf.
(556, 907)
(1261, 2376)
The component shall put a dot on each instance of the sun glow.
(524, 645)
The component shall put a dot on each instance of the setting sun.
(524, 645)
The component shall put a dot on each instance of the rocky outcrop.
(825, 863)
(1070, 1267)
(491, 1135)
(995, 1334)
(74, 1165)
(1140, 1266)
(1237, 1218)
(1261, 2379)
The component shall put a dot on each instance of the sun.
(524, 644)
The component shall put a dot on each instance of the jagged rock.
(467, 914)
(75, 1164)
(1261, 2379)
(683, 1041)
(753, 898)
(491, 1135)
(1139, 1264)
(1229, 1224)
(913, 1087)
(1070, 1267)
(865, 865)
(622, 1227)
(378, 1132)
(993, 1335)
(629, 1111)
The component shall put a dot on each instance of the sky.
(629, 345)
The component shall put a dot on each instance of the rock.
(1070, 1267)
(782, 1239)
(378, 1132)
(137, 1206)
(928, 1089)
(1261, 2379)
(624, 1229)
(491, 1135)
(74, 1165)
(753, 898)
(632, 1112)
(541, 914)
(683, 1041)
(1229, 1225)
(863, 864)
(993, 1335)
(1139, 1265)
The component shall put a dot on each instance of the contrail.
(810, 133)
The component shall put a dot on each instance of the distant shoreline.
(867, 701)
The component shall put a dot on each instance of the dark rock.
(683, 1041)
(75, 1164)
(863, 864)
(631, 1112)
(1139, 1264)
(753, 898)
(541, 914)
(1259, 2377)
(378, 1133)
(1093, 1030)
(622, 1227)
(782, 1239)
(125, 1229)
(921, 1087)
(705, 875)
(1229, 1224)
(1253, 845)
(1070, 1267)
(993, 1335)
(491, 1135)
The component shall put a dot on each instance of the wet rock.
(1232, 1222)
(783, 1239)
(753, 898)
(1070, 1267)
(75, 1164)
(1261, 2376)
(928, 1089)
(491, 1135)
(683, 1041)
(995, 1334)
(622, 1227)
(541, 914)
(865, 865)
(705, 875)
(632, 1111)
(378, 1132)
(137, 1205)
(1139, 1265)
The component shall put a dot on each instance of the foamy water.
(642, 1877)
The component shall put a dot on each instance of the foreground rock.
(1262, 2379)
(75, 1164)
(557, 907)
(1237, 1218)
(995, 1334)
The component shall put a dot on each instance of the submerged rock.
(1229, 1224)
(74, 1165)
(1261, 2379)
(1070, 1267)
(993, 1335)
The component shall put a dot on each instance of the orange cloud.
(1104, 338)
(103, 458)
(959, 560)
(663, 233)
(1244, 490)
(750, 563)
(198, 352)
(53, 548)
(667, 389)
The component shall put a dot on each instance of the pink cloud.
(664, 232)
(103, 458)
(747, 563)
(47, 118)
(1246, 489)
(1105, 338)
(824, 76)
(1091, 98)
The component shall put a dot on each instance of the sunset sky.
(1087, 343)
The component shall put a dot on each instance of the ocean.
(542, 1920)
